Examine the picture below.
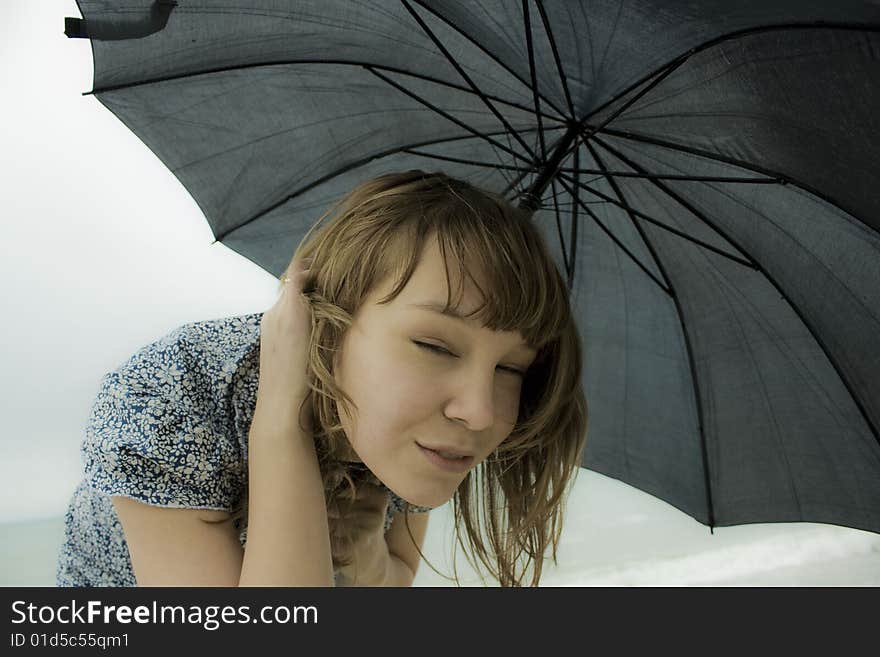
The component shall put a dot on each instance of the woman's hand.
(285, 331)
(370, 559)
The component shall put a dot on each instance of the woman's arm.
(179, 547)
(288, 532)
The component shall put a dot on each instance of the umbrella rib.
(615, 240)
(460, 87)
(527, 28)
(662, 75)
(562, 156)
(501, 171)
(499, 157)
(667, 227)
(618, 192)
(446, 115)
(700, 215)
(466, 77)
(735, 35)
(695, 381)
(512, 185)
(613, 33)
(500, 168)
(546, 21)
(338, 172)
(568, 205)
(574, 224)
(337, 62)
(661, 176)
(488, 53)
(459, 160)
(564, 205)
(535, 192)
(779, 178)
(758, 267)
(559, 227)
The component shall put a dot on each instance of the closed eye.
(440, 350)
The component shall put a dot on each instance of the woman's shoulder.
(222, 337)
(192, 355)
(222, 334)
(166, 426)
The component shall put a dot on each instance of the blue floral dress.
(169, 428)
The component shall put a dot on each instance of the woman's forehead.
(434, 282)
(431, 274)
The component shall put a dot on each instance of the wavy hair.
(513, 501)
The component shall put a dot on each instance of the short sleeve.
(153, 435)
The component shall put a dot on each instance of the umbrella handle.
(116, 30)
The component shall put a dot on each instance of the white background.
(103, 251)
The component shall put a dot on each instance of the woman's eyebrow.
(441, 309)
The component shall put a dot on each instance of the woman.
(421, 349)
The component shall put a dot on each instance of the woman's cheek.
(508, 404)
(416, 367)
(423, 382)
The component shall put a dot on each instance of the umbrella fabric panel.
(731, 312)
(781, 101)
(218, 35)
(826, 262)
(781, 430)
(608, 219)
(605, 45)
(242, 142)
(642, 407)
(270, 241)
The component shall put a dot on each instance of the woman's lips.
(450, 465)
(449, 452)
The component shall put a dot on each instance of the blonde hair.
(379, 230)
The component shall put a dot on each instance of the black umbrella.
(707, 174)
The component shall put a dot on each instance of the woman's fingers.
(296, 275)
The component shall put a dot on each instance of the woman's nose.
(473, 401)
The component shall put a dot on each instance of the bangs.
(496, 247)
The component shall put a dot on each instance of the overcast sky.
(104, 251)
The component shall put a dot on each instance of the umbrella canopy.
(706, 174)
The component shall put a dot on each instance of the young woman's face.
(407, 394)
